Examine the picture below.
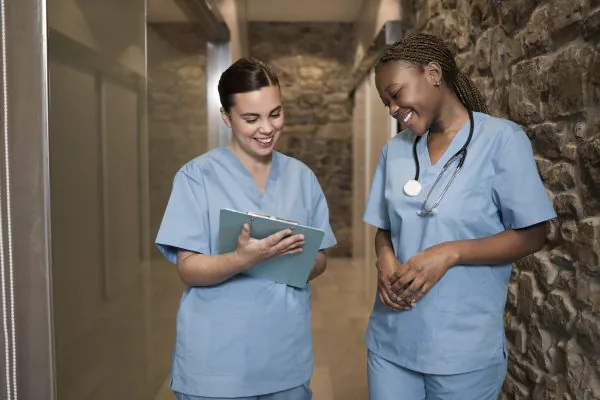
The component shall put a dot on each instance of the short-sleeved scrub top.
(458, 326)
(246, 336)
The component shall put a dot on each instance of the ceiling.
(270, 10)
(303, 10)
(165, 11)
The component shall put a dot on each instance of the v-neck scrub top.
(246, 336)
(457, 326)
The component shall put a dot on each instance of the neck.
(451, 118)
(251, 161)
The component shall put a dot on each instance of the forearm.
(207, 270)
(504, 247)
(319, 266)
(383, 243)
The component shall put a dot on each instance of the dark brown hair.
(421, 49)
(245, 75)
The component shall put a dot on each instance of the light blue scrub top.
(246, 336)
(458, 326)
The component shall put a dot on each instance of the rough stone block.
(466, 62)
(562, 14)
(588, 292)
(568, 230)
(561, 176)
(568, 205)
(535, 38)
(515, 390)
(568, 84)
(575, 366)
(518, 335)
(548, 139)
(335, 131)
(483, 50)
(588, 238)
(558, 311)
(516, 370)
(561, 259)
(454, 27)
(530, 297)
(591, 25)
(588, 332)
(550, 388)
(552, 236)
(540, 340)
(513, 295)
(544, 271)
(484, 13)
(515, 13)
(525, 95)
(590, 155)
(570, 152)
(543, 167)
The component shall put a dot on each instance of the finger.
(245, 233)
(400, 284)
(400, 273)
(398, 300)
(289, 242)
(424, 290)
(277, 237)
(289, 252)
(295, 247)
(412, 291)
(387, 301)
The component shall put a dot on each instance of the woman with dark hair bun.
(240, 336)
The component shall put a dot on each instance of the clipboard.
(292, 269)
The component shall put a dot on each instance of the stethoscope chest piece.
(412, 188)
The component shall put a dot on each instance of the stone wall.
(314, 65)
(177, 120)
(538, 63)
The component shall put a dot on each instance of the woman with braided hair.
(456, 198)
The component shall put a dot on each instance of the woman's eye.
(251, 121)
(276, 115)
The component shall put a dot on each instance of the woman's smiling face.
(410, 92)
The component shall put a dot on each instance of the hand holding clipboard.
(292, 268)
(278, 244)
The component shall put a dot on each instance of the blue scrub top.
(246, 336)
(458, 326)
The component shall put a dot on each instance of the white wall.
(371, 17)
(235, 16)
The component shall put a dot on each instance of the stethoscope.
(413, 187)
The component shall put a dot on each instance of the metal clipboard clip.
(254, 215)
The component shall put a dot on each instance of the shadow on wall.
(314, 64)
(538, 63)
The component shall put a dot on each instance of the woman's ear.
(434, 73)
(225, 117)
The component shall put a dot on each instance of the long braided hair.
(421, 49)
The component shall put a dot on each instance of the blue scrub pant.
(298, 393)
(388, 381)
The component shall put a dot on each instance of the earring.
(436, 84)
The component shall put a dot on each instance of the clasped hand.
(401, 286)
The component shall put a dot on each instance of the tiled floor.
(340, 314)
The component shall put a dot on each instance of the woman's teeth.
(265, 141)
(407, 117)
